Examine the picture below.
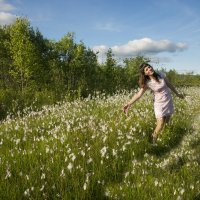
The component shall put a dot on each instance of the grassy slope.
(90, 150)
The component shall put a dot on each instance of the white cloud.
(100, 48)
(144, 46)
(6, 6)
(6, 18)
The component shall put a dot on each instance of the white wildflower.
(114, 152)
(104, 139)
(182, 191)
(27, 192)
(27, 177)
(8, 174)
(179, 198)
(107, 193)
(73, 157)
(126, 174)
(62, 174)
(89, 160)
(47, 149)
(156, 182)
(82, 153)
(85, 186)
(70, 166)
(192, 186)
(103, 151)
(43, 176)
(42, 188)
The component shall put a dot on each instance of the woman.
(163, 104)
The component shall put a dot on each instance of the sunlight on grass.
(88, 149)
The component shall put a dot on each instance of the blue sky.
(167, 31)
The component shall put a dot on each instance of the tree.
(5, 63)
(65, 48)
(109, 72)
(172, 75)
(132, 69)
(22, 51)
(86, 61)
(29, 55)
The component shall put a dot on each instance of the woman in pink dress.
(158, 83)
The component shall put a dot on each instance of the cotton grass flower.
(70, 166)
(103, 151)
(85, 186)
(27, 192)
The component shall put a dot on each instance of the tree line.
(35, 71)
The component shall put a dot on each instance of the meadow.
(89, 149)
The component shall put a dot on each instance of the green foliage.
(28, 54)
(32, 67)
(5, 61)
(22, 51)
(132, 70)
(188, 79)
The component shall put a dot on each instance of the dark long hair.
(144, 78)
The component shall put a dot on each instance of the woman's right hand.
(126, 107)
(182, 96)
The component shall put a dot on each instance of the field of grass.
(88, 149)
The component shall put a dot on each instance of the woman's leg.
(160, 123)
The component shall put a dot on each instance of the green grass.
(88, 149)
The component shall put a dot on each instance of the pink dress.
(163, 104)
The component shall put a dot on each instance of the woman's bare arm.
(173, 88)
(137, 96)
(134, 99)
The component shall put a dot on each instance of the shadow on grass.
(171, 138)
(197, 197)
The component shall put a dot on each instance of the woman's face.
(148, 70)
